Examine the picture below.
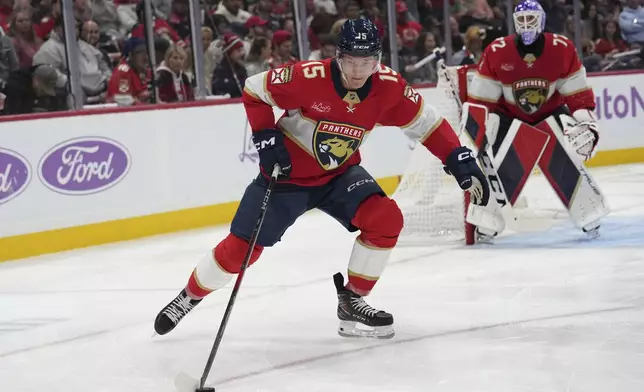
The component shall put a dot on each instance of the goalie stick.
(183, 382)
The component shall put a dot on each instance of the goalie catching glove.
(582, 132)
(462, 165)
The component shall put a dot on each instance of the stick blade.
(183, 382)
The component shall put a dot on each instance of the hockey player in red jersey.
(330, 108)
(528, 80)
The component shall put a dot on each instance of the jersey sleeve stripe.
(490, 100)
(573, 84)
(256, 87)
(425, 122)
(484, 88)
(418, 114)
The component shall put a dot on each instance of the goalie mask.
(529, 21)
(359, 49)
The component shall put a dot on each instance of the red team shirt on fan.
(530, 88)
(409, 32)
(126, 81)
(324, 124)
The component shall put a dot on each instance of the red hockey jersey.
(126, 81)
(325, 124)
(530, 86)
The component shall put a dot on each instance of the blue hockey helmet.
(529, 20)
(359, 38)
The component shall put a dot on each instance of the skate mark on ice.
(414, 339)
(221, 300)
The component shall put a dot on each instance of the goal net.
(433, 205)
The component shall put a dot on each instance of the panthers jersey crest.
(335, 143)
(530, 94)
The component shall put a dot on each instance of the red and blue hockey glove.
(462, 165)
(270, 146)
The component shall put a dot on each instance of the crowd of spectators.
(244, 37)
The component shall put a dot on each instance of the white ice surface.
(535, 312)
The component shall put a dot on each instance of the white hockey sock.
(208, 276)
(365, 266)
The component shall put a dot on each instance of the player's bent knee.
(230, 253)
(380, 220)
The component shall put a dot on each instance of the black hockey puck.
(205, 389)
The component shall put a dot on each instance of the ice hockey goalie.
(531, 96)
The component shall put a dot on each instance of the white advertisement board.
(76, 170)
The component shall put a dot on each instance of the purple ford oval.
(84, 165)
(15, 174)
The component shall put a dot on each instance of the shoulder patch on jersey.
(411, 94)
(530, 94)
(282, 75)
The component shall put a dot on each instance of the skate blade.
(350, 329)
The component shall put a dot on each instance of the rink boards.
(92, 177)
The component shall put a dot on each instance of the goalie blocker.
(509, 150)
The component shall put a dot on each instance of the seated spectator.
(30, 90)
(90, 33)
(45, 16)
(174, 85)
(631, 21)
(257, 60)
(230, 75)
(327, 6)
(104, 13)
(8, 58)
(25, 40)
(212, 57)
(207, 36)
(593, 22)
(127, 12)
(232, 11)
(130, 82)
(257, 27)
(94, 72)
(179, 19)
(612, 41)
(327, 48)
(6, 9)
(263, 9)
(426, 74)
(161, 28)
(282, 49)
(473, 49)
(409, 30)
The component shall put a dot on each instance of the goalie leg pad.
(217, 267)
(380, 221)
(518, 154)
(568, 176)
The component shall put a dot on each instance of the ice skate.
(172, 313)
(353, 312)
(592, 230)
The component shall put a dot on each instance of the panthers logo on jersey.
(335, 143)
(530, 94)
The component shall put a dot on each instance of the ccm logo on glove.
(272, 151)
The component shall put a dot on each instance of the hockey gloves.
(270, 146)
(462, 165)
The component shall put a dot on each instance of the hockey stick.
(185, 383)
(436, 53)
(503, 207)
